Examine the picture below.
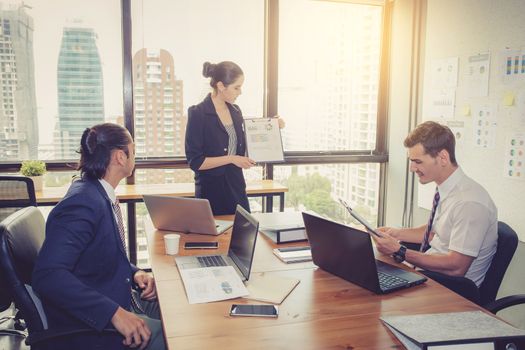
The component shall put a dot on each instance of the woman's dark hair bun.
(207, 69)
(225, 72)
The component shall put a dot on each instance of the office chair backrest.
(15, 192)
(21, 237)
(507, 244)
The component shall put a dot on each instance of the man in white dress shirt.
(462, 229)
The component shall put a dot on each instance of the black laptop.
(348, 253)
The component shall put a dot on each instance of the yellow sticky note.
(466, 110)
(508, 99)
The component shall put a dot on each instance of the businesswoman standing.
(215, 141)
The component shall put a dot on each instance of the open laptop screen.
(242, 244)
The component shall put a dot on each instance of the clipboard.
(263, 140)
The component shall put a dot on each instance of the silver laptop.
(240, 253)
(181, 214)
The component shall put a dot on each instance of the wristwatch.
(399, 256)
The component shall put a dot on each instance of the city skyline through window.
(67, 56)
(61, 66)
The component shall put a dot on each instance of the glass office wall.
(61, 68)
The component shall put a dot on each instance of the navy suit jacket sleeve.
(70, 228)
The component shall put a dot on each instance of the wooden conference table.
(134, 193)
(322, 312)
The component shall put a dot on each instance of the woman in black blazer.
(215, 141)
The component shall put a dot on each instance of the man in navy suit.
(82, 273)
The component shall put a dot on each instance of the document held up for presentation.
(263, 140)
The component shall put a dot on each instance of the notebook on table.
(241, 251)
(181, 214)
(348, 253)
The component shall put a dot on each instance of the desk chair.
(15, 192)
(485, 295)
(21, 237)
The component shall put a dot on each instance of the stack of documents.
(457, 330)
(294, 254)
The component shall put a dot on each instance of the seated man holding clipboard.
(461, 234)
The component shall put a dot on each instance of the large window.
(328, 93)
(317, 187)
(171, 41)
(61, 72)
(318, 68)
(328, 74)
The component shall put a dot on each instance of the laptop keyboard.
(213, 260)
(389, 281)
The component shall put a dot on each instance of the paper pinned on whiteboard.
(478, 75)
(263, 140)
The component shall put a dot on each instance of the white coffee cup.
(171, 242)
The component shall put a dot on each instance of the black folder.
(282, 227)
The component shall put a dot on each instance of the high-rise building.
(80, 89)
(18, 116)
(160, 123)
(363, 180)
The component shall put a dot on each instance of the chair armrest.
(461, 285)
(35, 338)
(505, 302)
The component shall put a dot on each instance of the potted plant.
(34, 169)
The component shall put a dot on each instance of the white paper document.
(263, 140)
(485, 127)
(512, 63)
(445, 72)
(514, 160)
(442, 105)
(478, 75)
(207, 284)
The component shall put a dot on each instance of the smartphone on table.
(201, 245)
(254, 310)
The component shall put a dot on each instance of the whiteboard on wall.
(484, 103)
